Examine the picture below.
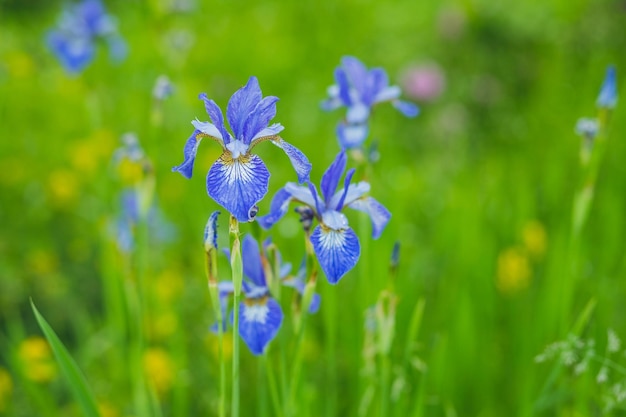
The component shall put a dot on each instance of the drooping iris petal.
(241, 104)
(278, 208)
(299, 161)
(357, 113)
(190, 150)
(608, 93)
(337, 251)
(258, 119)
(352, 136)
(378, 213)
(259, 322)
(406, 108)
(215, 113)
(252, 265)
(332, 175)
(238, 184)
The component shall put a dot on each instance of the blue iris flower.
(334, 242)
(359, 89)
(260, 315)
(608, 93)
(238, 180)
(73, 40)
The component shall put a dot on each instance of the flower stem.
(237, 273)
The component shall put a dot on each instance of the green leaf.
(78, 384)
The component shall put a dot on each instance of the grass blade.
(78, 384)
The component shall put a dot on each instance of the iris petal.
(259, 322)
(352, 136)
(252, 265)
(608, 93)
(406, 108)
(377, 82)
(356, 72)
(215, 113)
(299, 161)
(302, 194)
(343, 85)
(355, 191)
(190, 150)
(259, 118)
(378, 214)
(333, 174)
(272, 130)
(387, 94)
(241, 104)
(238, 184)
(337, 251)
(75, 53)
(278, 208)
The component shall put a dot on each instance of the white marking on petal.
(334, 220)
(256, 313)
(237, 148)
(238, 171)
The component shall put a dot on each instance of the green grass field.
(483, 186)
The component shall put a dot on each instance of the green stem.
(237, 273)
(385, 375)
(271, 378)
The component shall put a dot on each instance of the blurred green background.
(481, 187)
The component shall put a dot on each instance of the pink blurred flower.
(423, 82)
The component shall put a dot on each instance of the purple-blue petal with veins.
(190, 150)
(238, 184)
(298, 160)
(302, 194)
(332, 175)
(215, 113)
(241, 104)
(251, 259)
(337, 251)
(278, 208)
(259, 322)
(355, 191)
(259, 118)
(378, 213)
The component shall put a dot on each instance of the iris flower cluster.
(79, 27)
(239, 180)
(359, 90)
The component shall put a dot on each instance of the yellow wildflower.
(159, 369)
(36, 358)
(514, 271)
(535, 239)
(63, 186)
(6, 389)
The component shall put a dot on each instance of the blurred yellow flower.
(20, 65)
(107, 410)
(514, 271)
(212, 343)
(159, 369)
(6, 389)
(42, 262)
(535, 239)
(63, 186)
(168, 285)
(36, 359)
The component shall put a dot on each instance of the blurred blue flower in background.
(359, 89)
(238, 180)
(78, 29)
(608, 93)
(335, 244)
